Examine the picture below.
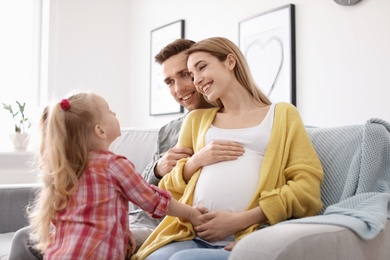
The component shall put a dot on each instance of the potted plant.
(22, 123)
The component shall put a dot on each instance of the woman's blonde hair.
(220, 48)
(66, 133)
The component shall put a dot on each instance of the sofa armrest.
(13, 202)
(311, 241)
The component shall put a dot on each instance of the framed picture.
(268, 42)
(161, 101)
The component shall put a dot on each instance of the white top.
(230, 185)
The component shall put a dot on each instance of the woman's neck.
(239, 102)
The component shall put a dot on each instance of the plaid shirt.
(94, 225)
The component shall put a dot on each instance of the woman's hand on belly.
(219, 151)
(217, 225)
(215, 151)
(221, 224)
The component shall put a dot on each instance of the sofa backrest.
(14, 199)
(355, 159)
(137, 144)
(336, 147)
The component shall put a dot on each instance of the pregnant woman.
(278, 176)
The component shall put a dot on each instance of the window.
(20, 62)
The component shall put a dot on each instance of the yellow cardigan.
(290, 176)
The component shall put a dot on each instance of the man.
(178, 79)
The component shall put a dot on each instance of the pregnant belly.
(229, 185)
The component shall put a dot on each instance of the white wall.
(342, 54)
(89, 48)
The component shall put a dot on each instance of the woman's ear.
(99, 131)
(231, 61)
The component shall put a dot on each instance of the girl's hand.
(195, 214)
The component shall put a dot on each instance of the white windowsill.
(18, 167)
(16, 159)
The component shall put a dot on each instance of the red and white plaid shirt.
(95, 223)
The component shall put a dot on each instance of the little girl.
(82, 210)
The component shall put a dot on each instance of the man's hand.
(131, 246)
(166, 163)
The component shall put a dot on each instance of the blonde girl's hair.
(66, 136)
(220, 48)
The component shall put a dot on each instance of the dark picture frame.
(161, 101)
(267, 41)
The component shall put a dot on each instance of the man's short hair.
(172, 49)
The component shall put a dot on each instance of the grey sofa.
(291, 241)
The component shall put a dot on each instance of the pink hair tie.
(65, 105)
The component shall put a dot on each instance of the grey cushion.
(14, 199)
(137, 144)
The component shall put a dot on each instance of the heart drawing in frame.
(265, 59)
